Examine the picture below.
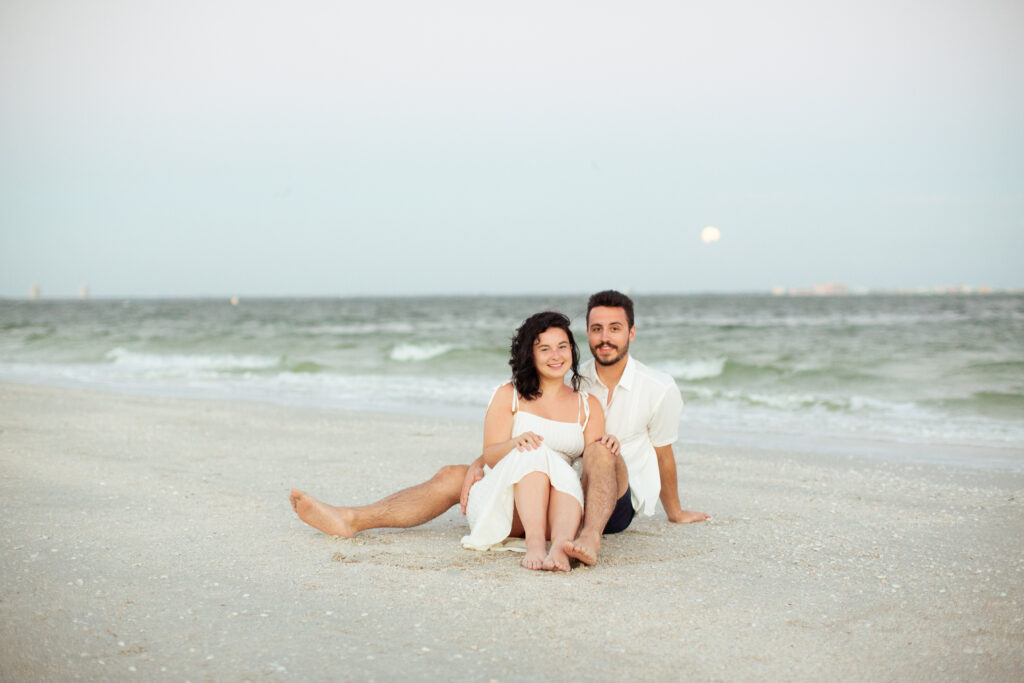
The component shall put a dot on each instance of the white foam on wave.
(693, 369)
(134, 360)
(801, 402)
(734, 411)
(357, 329)
(419, 352)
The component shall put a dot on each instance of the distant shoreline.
(951, 290)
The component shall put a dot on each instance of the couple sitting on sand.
(536, 427)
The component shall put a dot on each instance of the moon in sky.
(710, 234)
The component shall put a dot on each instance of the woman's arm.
(498, 439)
(595, 425)
(590, 434)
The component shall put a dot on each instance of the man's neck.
(611, 374)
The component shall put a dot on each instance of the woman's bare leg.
(564, 514)
(531, 496)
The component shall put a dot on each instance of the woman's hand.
(527, 441)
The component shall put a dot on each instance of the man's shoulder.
(587, 369)
(650, 376)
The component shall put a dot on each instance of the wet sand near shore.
(152, 538)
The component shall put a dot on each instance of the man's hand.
(610, 442)
(678, 516)
(474, 473)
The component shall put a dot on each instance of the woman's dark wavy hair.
(524, 373)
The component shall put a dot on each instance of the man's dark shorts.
(622, 515)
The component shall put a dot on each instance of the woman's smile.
(552, 353)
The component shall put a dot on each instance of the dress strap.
(586, 409)
(515, 400)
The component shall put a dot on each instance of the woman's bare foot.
(584, 548)
(334, 521)
(688, 517)
(535, 552)
(557, 560)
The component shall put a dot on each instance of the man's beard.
(622, 354)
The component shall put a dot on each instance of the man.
(642, 409)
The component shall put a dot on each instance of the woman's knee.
(536, 478)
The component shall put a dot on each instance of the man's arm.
(669, 484)
(670, 489)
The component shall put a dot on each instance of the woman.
(535, 427)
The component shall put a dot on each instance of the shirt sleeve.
(664, 425)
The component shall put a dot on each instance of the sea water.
(932, 378)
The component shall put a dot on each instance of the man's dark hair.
(524, 372)
(611, 299)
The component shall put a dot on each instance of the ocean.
(919, 378)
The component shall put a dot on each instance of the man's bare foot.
(688, 517)
(557, 560)
(334, 521)
(584, 548)
(535, 551)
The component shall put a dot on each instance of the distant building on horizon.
(818, 289)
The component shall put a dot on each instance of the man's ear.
(632, 334)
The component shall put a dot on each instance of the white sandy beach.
(152, 539)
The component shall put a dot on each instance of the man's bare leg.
(409, 507)
(605, 480)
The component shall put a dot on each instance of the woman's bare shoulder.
(503, 396)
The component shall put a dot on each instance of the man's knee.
(446, 485)
(451, 477)
(597, 456)
(599, 463)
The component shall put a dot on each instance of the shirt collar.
(625, 382)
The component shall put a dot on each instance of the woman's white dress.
(491, 500)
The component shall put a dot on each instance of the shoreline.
(153, 536)
(989, 457)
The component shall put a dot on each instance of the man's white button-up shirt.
(643, 415)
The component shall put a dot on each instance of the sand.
(152, 539)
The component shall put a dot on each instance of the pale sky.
(337, 148)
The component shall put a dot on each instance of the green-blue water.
(894, 372)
